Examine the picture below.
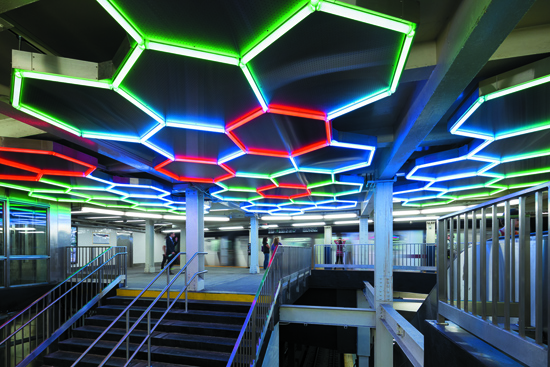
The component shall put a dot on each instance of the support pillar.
(430, 231)
(383, 269)
(364, 230)
(194, 228)
(181, 236)
(328, 241)
(254, 249)
(149, 246)
(363, 334)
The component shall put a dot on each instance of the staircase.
(204, 336)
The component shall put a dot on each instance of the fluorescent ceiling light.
(25, 229)
(270, 226)
(206, 229)
(414, 219)
(313, 224)
(307, 217)
(219, 210)
(35, 232)
(143, 215)
(449, 209)
(113, 217)
(101, 211)
(216, 219)
(406, 212)
(130, 221)
(229, 228)
(162, 224)
(276, 217)
(346, 222)
(171, 231)
(174, 217)
(342, 215)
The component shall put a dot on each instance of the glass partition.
(28, 230)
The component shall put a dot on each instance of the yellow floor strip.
(225, 297)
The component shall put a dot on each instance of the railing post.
(149, 339)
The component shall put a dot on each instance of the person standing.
(265, 250)
(339, 251)
(274, 246)
(170, 248)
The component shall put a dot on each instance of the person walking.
(265, 250)
(170, 248)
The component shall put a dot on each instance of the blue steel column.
(149, 246)
(254, 264)
(383, 269)
(194, 228)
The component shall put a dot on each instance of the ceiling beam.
(475, 32)
(7, 5)
(521, 42)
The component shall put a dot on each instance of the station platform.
(222, 283)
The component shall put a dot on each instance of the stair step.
(241, 307)
(177, 314)
(187, 327)
(165, 354)
(64, 358)
(189, 341)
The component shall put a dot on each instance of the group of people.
(170, 250)
(266, 249)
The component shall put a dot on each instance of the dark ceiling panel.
(190, 90)
(76, 29)
(327, 62)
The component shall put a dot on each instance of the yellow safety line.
(225, 297)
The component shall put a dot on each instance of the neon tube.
(121, 20)
(50, 120)
(107, 136)
(134, 56)
(254, 86)
(243, 120)
(178, 50)
(66, 79)
(298, 112)
(195, 126)
(355, 105)
(401, 63)
(139, 105)
(466, 115)
(277, 33)
(16, 92)
(517, 88)
(158, 150)
(366, 16)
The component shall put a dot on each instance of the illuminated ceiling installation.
(509, 119)
(249, 116)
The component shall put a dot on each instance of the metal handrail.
(52, 290)
(148, 312)
(487, 287)
(406, 256)
(249, 342)
(93, 281)
(127, 311)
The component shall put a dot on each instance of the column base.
(149, 269)
(254, 269)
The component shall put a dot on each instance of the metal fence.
(32, 330)
(497, 286)
(406, 256)
(289, 266)
(147, 313)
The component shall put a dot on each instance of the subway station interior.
(274, 183)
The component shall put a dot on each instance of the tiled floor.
(218, 279)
